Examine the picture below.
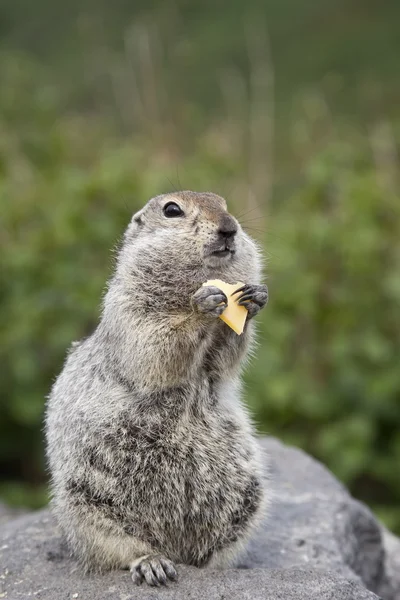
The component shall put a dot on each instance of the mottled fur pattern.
(150, 449)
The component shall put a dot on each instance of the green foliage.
(327, 374)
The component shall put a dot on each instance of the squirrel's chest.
(198, 449)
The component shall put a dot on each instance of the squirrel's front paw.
(155, 569)
(210, 300)
(252, 297)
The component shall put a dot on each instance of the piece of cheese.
(234, 315)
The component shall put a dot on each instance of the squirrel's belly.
(191, 512)
(188, 495)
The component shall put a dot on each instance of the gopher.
(153, 457)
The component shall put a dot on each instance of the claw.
(158, 571)
(137, 577)
(169, 568)
(149, 576)
(245, 296)
(241, 289)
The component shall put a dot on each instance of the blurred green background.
(290, 109)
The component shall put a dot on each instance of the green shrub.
(327, 376)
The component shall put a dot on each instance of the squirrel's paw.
(252, 297)
(210, 300)
(155, 569)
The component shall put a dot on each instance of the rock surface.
(7, 513)
(314, 522)
(317, 543)
(392, 548)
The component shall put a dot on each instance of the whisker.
(266, 232)
(178, 178)
(128, 209)
(172, 185)
(247, 212)
(251, 220)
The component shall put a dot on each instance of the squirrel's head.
(190, 230)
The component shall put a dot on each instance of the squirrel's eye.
(172, 210)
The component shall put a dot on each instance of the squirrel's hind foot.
(154, 569)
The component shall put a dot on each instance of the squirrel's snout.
(221, 242)
(227, 228)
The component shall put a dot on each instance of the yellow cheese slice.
(234, 315)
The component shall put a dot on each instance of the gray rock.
(35, 564)
(314, 522)
(7, 513)
(392, 548)
(317, 543)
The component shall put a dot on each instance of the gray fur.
(152, 454)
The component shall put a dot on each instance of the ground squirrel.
(152, 455)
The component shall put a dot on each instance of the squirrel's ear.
(137, 217)
(135, 224)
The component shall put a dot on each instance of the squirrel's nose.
(227, 227)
